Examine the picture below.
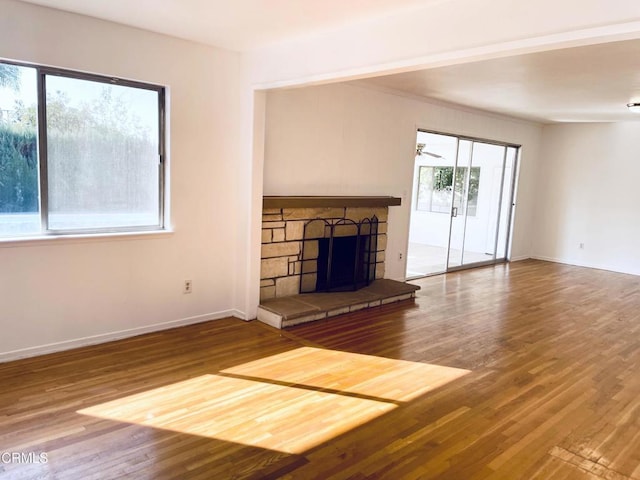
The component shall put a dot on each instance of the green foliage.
(9, 76)
(18, 170)
(92, 146)
(442, 178)
(436, 186)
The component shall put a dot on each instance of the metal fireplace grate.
(338, 254)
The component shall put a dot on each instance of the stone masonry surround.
(282, 236)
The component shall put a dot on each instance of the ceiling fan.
(420, 151)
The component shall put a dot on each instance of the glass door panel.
(459, 205)
(431, 204)
(482, 202)
(504, 222)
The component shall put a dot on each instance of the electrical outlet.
(581, 246)
(400, 256)
(188, 286)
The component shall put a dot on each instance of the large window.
(79, 153)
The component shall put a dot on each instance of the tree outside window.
(436, 186)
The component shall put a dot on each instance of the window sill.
(81, 238)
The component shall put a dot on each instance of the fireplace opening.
(338, 255)
(340, 265)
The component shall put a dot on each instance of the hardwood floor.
(521, 371)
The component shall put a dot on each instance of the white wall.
(65, 291)
(343, 139)
(588, 193)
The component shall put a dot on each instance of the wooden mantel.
(331, 201)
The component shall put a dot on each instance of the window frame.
(42, 72)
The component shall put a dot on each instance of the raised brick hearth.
(286, 265)
(308, 307)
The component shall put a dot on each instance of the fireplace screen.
(338, 254)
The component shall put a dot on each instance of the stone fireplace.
(323, 257)
(305, 243)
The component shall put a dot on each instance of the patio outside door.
(462, 199)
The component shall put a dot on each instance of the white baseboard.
(549, 259)
(585, 264)
(568, 262)
(239, 314)
(108, 337)
(520, 258)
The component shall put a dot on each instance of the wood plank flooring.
(522, 371)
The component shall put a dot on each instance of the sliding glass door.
(461, 205)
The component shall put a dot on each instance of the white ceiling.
(235, 24)
(581, 84)
(592, 83)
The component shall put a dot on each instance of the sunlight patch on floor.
(367, 375)
(290, 402)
